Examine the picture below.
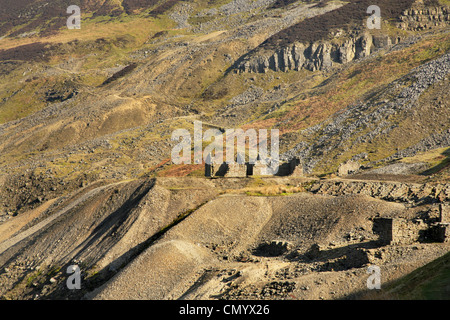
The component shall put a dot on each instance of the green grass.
(430, 282)
(437, 160)
(31, 279)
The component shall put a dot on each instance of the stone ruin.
(236, 170)
(394, 231)
(347, 168)
(240, 169)
(441, 229)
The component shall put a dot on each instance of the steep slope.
(100, 228)
(429, 282)
(86, 118)
(394, 111)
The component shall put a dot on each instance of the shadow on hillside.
(429, 282)
(445, 163)
(338, 259)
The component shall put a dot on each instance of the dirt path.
(9, 228)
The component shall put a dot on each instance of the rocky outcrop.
(315, 56)
(368, 121)
(422, 18)
(323, 54)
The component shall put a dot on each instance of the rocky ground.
(227, 245)
(86, 120)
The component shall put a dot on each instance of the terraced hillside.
(86, 123)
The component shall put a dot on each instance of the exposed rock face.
(315, 56)
(324, 54)
(416, 19)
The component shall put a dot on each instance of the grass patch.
(437, 159)
(430, 282)
(271, 190)
(32, 278)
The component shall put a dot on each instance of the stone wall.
(389, 191)
(440, 232)
(292, 168)
(444, 213)
(296, 168)
(349, 167)
(260, 169)
(215, 170)
(236, 170)
(396, 231)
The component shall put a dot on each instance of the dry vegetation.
(71, 129)
(319, 27)
(272, 190)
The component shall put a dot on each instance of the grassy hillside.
(430, 282)
(102, 102)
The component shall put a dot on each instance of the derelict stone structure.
(236, 170)
(441, 230)
(349, 167)
(402, 231)
(215, 170)
(399, 231)
(293, 168)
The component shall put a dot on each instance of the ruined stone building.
(402, 231)
(267, 167)
(348, 168)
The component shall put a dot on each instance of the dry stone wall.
(396, 231)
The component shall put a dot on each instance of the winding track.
(5, 245)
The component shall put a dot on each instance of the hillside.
(86, 123)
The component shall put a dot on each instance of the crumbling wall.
(440, 231)
(407, 232)
(296, 168)
(444, 212)
(236, 170)
(293, 167)
(348, 167)
(215, 170)
(260, 168)
(395, 231)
